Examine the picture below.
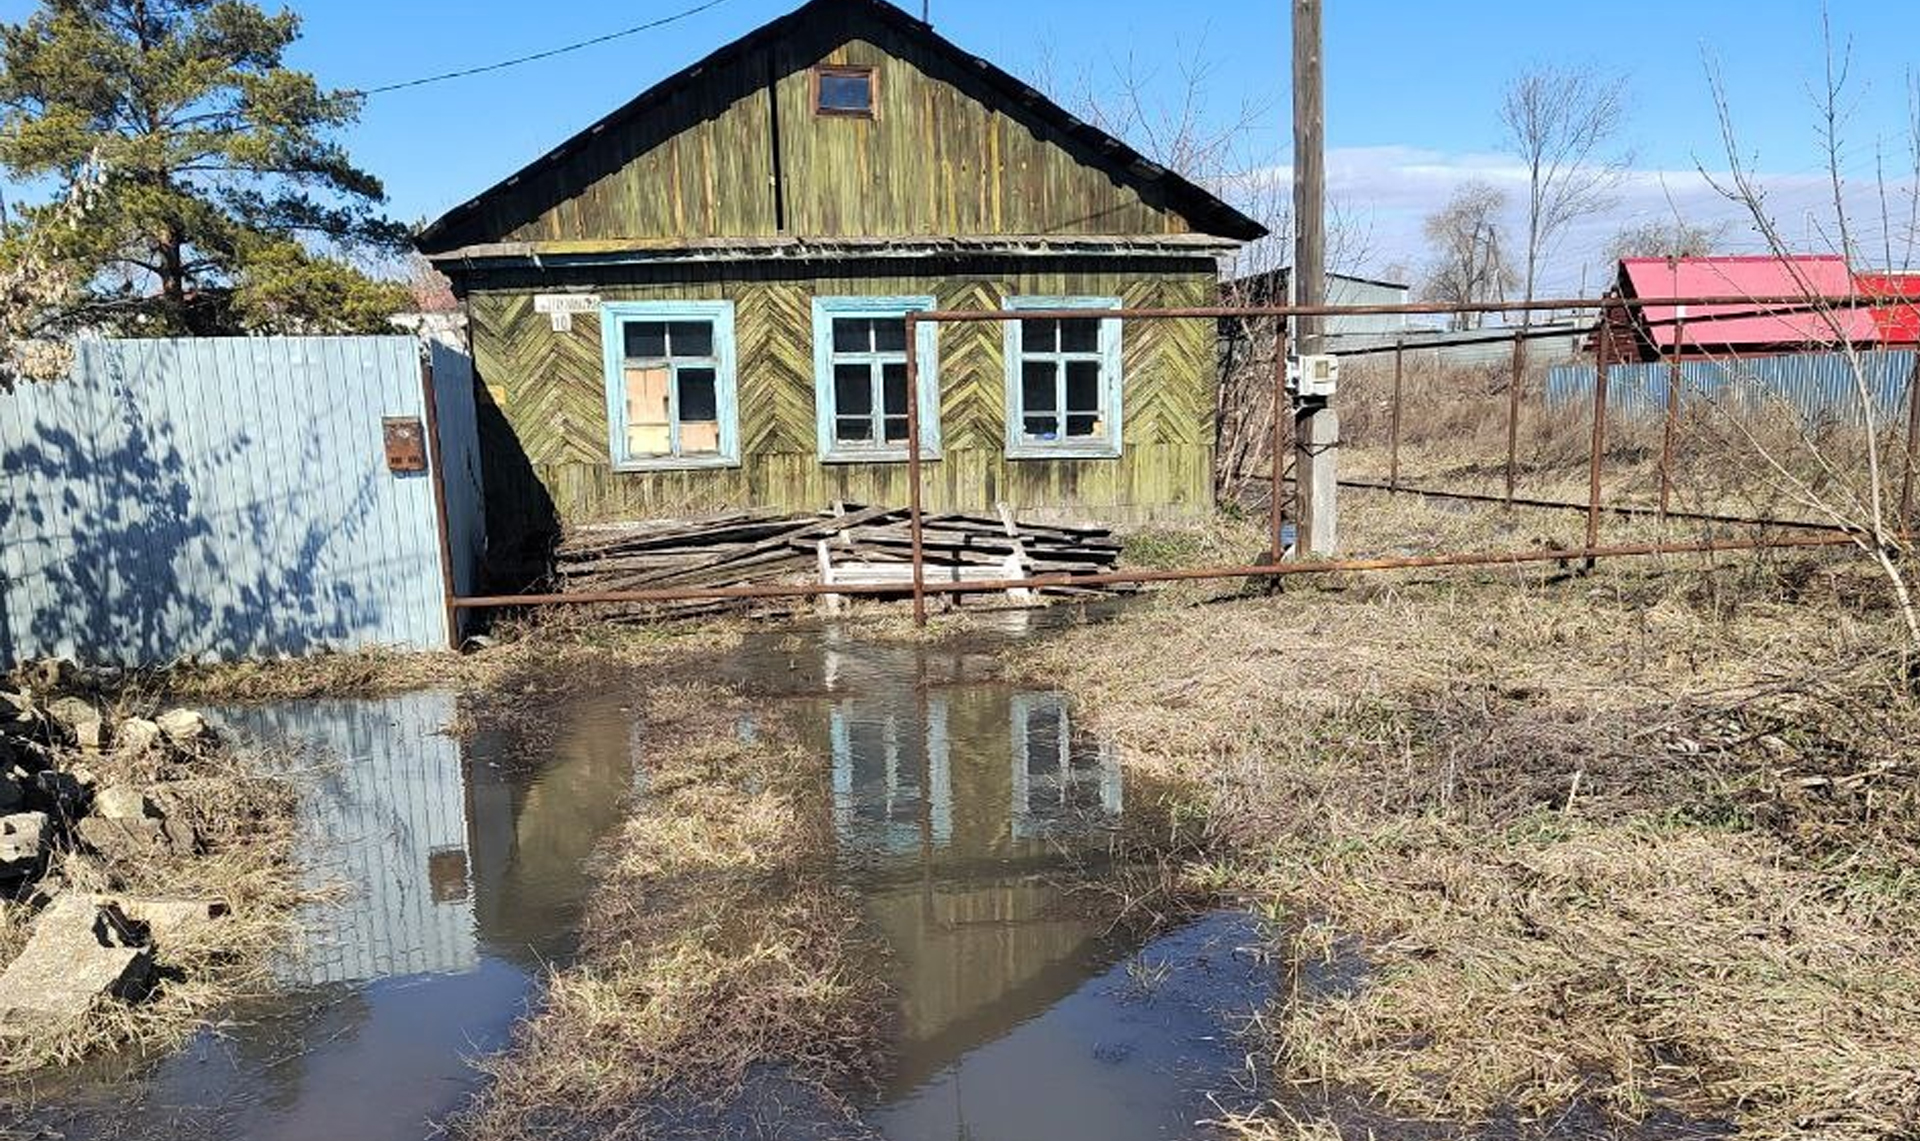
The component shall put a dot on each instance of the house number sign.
(560, 307)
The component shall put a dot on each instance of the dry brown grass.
(1626, 840)
(714, 943)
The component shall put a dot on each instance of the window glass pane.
(691, 338)
(1041, 427)
(857, 429)
(646, 394)
(1080, 336)
(648, 440)
(890, 335)
(895, 377)
(852, 390)
(1083, 386)
(1040, 336)
(843, 92)
(1036, 386)
(646, 339)
(699, 403)
(1086, 424)
(852, 335)
(896, 427)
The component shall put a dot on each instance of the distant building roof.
(1737, 326)
(1899, 324)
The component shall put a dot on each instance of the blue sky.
(1412, 88)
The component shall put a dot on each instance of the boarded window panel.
(690, 338)
(1039, 336)
(699, 400)
(852, 335)
(1037, 386)
(894, 378)
(852, 390)
(890, 335)
(646, 340)
(648, 440)
(1081, 336)
(700, 438)
(647, 396)
(853, 429)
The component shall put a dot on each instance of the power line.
(548, 54)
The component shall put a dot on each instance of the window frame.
(1107, 351)
(926, 350)
(614, 316)
(865, 71)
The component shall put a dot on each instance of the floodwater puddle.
(969, 816)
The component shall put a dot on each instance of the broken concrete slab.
(136, 735)
(76, 956)
(69, 712)
(136, 838)
(23, 841)
(122, 802)
(169, 922)
(184, 726)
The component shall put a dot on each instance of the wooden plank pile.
(848, 544)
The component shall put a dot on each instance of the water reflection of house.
(967, 818)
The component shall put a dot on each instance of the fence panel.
(1816, 384)
(220, 498)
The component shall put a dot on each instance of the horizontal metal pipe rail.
(1177, 574)
(1605, 508)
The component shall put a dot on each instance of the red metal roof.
(1899, 324)
(1756, 276)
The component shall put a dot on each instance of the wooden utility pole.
(1316, 425)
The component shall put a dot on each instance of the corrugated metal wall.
(1818, 384)
(224, 498)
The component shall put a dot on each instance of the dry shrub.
(1635, 841)
(714, 943)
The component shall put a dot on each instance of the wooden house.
(697, 303)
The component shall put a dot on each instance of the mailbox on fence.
(406, 440)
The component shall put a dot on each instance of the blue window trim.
(1019, 448)
(926, 349)
(613, 349)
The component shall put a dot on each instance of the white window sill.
(673, 463)
(877, 456)
(1094, 451)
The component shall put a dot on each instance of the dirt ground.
(1637, 843)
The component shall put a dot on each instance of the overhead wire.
(482, 69)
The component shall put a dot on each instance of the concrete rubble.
(85, 948)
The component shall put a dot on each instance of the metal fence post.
(1393, 419)
(1514, 385)
(913, 470)
(1602, 341)
(1277, 444)
(1674, 380)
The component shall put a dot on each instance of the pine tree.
(200, 186)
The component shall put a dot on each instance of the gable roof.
(1206, 213)
(1737, 326)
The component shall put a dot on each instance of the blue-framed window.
(860, 378)
(670, 384)
(1063, 381)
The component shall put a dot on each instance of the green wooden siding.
(938, 158)
(545, 394)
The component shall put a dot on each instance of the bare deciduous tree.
(1560, 122)
(1665, 238)
(1469, 263)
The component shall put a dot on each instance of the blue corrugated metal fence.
(226, 498)
(1819, 385)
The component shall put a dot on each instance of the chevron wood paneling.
(546, 408)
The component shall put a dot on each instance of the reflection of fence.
(1821, 386)
(229, 497)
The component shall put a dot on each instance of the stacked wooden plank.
(847, 544)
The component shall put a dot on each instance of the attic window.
(846, 91)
